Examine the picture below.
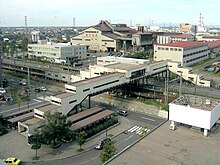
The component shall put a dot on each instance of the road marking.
(135, 129)
(147, 118)
(127, 138)
(132, 128)
(37, 100)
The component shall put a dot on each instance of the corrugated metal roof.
(91, 120)
(213, 44)
(84, 114)
(183, 44)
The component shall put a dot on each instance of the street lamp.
(181, 82)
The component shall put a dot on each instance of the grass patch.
(110, 135)
(156, 103)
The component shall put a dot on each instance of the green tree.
(80, 139)
(36, 142)
(55, 127)
(68, 38)
(18, 102)
(108, 152)
(24, 44)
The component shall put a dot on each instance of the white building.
(35, 36)
(195, 111)
(185, 52)
(164, 39)
(64, 51)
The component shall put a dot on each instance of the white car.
(2, 91)
(43, 88)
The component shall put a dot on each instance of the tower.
(74, 21)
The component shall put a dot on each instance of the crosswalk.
(138, 130)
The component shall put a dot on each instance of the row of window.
(107, 40)
(91, 35)
(171, 49)
(191, 54)
(42, 48)
(91, 31)
(194, 59)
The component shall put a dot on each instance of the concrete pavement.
(14, 144)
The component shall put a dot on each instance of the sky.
(90, 12)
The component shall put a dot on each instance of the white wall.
(215, 114)
(190, 116)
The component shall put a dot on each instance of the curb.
(129, 146)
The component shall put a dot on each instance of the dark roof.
(214, 44)
(23, 111)
(21, 117)
(181, 36)
(211, 37)
(91, 120)
(84, 114)
(184, 44)
(111, 35)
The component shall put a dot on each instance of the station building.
(185, 52)
(194, 111)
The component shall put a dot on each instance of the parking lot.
(165, 147)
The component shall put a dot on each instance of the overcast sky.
(90, 12)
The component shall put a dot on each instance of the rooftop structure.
(200, 112)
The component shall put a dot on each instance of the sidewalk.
(15, 145)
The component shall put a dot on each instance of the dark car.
(122, 113)
(99, 145)
(37, 90)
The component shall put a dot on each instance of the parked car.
(2, 90)
(43, 88)
(23, 83)
(122, 113)
(37, 90)
(12, 161)
(99, 145)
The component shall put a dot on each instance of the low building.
(195, 111)
(185, 52)
(214, 48)
(210, 38)
(105, 37)
(61, 51)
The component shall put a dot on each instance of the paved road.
(121, 142)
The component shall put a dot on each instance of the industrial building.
(185, 52)
(105, 37)
(168, 38)
(57, 51)
(195, 111)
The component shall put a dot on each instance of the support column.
(172, 125)
(89, 102)
(205, 132)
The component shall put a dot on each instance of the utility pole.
(166, 86)
(181, 82)
(1, 73)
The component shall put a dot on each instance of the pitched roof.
(183, 44)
